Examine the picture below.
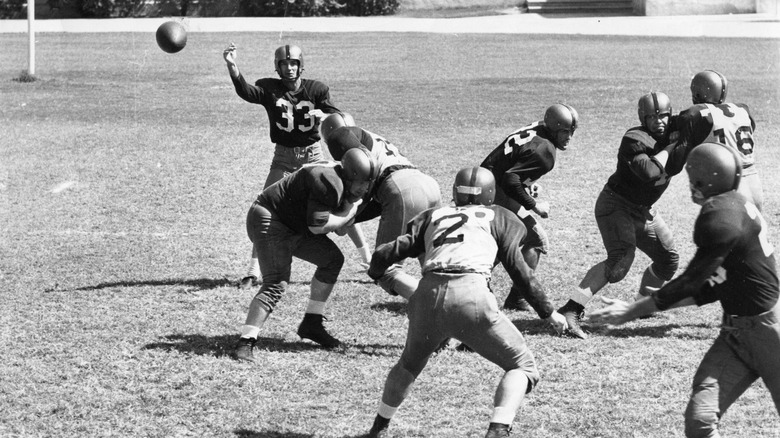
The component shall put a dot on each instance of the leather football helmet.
(654, 104)
(333, 122)
(474, 186)
(561, 116)
(288, 52)
(358, 165)
(713, 168)
(708, 86)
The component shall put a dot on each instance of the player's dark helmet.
(288, 52)
(561, 117)
(473, 186)
(654, 104)
(358, 165)
(708, 86)
(713, 168)
(333, 122)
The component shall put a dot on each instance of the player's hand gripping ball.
(171, 36)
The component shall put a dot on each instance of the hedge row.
(16, 9)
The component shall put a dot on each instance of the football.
(171, 36)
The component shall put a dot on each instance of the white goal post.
(31, 36)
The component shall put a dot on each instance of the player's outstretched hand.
(230, 54)
(615, 313)
(317, 114)
(558, 322)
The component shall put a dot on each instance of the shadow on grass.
(397, 307)
(222, 346)
(533, 326)
(246, 433)
(195, 284)
(657, 331)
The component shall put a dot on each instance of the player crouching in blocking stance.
(734, 264)
(400, 192)
(625, 214)
(459, 246)
(292, 218)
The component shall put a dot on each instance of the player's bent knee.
(329, 273)
(666, 269)
(269, 295)
(616, 273)
(616, 268)
(701, 427)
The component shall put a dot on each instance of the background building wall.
(698, 7)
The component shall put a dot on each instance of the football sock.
(386, 411)
(315, 307)
(250, 331)
(502, 415)
(365, 254)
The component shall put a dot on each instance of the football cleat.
(498, 430)
(379, 433)
(245, 349)
(573, 312)
(311, 328)
(379, 428)
(247, 282)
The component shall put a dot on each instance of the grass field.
(126, 174)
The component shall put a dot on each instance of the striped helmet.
(288, 52)
(654, 104)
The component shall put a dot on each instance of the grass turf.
(125, 180)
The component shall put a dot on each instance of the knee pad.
(700, 425)
(329, 273)
(270, 294)
(665, 269)
(617, 269)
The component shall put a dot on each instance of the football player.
(398, 194)
(625, 214)
(734, 263)
(517, 163)
(459, 246)
(294, 106)
(291, 219)
(711, 119)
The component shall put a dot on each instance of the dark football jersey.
(521, 159)
(306, 197)
(288, 111)
(639, 177)
(734, 262)
(466, 239)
